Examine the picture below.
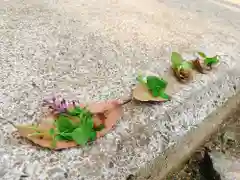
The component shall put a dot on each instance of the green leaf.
(54, 142)
(202, 54)
(155, 82)
(52, 132)
(185, 65)
(81, 135)
(59, 137)
(87, 121)
(212, 60)
(75, 111)
(155, 92)
(164, 95)
(209, 60)
(65, 136)
(64, 124)
(79, 132)
(176, 59)
(93, 136)
(99, 128)
(82, 116)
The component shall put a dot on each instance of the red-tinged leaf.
(113, 111)
(112, 117)
(41, 135)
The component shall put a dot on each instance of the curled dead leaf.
(183, 75)
(200, 67)
(39, 134)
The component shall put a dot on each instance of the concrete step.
(226, 156)
(218, 157)
(92, 50)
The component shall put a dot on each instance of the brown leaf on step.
(33, 131)
(142, 93)
(110, 121)
(39, 134)
(59, 144)
(112, 112)
(200, 67)
(183, 75)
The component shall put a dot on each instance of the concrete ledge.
(178, 154)
(92, 50)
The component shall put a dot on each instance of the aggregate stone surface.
(92, 50)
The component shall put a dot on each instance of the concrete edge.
(179, 153)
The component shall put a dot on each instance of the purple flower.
(57, 106)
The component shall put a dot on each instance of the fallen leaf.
(199, 66)
(182, 69)
(31, 132)
(59, 144)
(151, 87)
(142, 93)
(183, 75)
(112, 117)
(40, 134)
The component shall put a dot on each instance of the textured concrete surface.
(228, 166)
(92, 50)
(173, 159)
(226, 154)
(224, 146)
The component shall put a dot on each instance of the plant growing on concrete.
(182, 69)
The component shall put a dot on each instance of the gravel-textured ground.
(92, 50)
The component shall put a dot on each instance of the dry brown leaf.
(44, 139)
(200, 67)
(31, 131)
(183, 75)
